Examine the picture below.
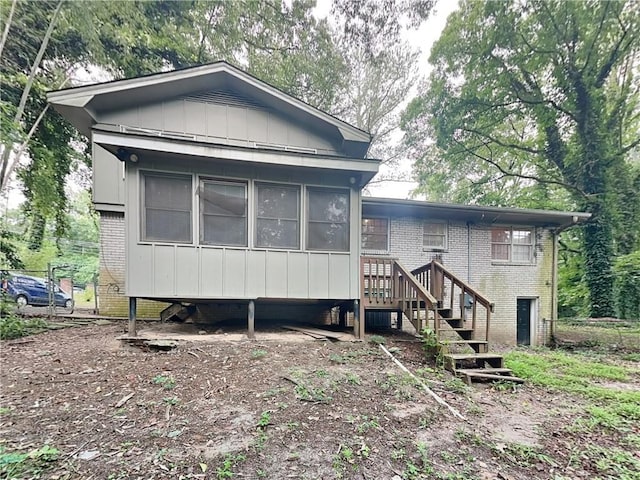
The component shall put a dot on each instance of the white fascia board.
(177, 147)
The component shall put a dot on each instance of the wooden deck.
(436, 302)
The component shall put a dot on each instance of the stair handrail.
(385, 282)
(410, 277)
(421, 294)
(482, 299)
(426, 274)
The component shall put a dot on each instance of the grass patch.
(576, 374)
(30, 464)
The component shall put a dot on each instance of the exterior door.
(524, 321)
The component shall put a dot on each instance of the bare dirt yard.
(76, 403)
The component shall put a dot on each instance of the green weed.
(29, 464)
(167, 382)
(171, 400)
(576, 374)
(353, 379)
(368, 424)
(614, 462)
(230, 461)
(377, 339)
(12, 326)
(255, 354)
(335, 358)
(522, 455)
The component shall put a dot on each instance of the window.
(512, 245)
(223, 213)
(328, 220)
(434, 235)
(375, 234)
(167, 207)
(277, 216)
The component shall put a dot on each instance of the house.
(219, 191)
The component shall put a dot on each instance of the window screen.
(512, 245)
(328, 220)
(223, 213)
(434, 235)
(277, 216)
(375, 234)
(167, 208)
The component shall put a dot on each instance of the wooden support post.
(399, 322)
(251, 320)
(358, 319)
(131, 330)
(342, 316)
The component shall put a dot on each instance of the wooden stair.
(427, 296)
(478, 365)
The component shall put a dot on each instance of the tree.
(543, 92)
(382, 69)
(44, 44)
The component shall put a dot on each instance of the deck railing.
(387, 284)
(436, 278)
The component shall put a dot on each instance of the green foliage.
(12, 326)
(30, 464)
(576, 374)
(230, 461)
(167, 382)
(626, 288)
(530, 110)
(573, 294)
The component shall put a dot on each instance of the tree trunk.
(599, 277)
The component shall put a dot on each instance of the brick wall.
(503, 284)
(112, 300)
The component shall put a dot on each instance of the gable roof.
(81, 105)
(471, 213)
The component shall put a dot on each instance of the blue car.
(26, 290)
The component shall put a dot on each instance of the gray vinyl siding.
(108, 180)
(219, 123)
(205, 272)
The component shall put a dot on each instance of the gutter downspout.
(469, 253)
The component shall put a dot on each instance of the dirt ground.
(283, 406)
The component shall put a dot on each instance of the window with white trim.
(277, 216)
(375, 234)
(434, 235)
(327, 219)
(510, 244)
(166, 208)
(223, 213)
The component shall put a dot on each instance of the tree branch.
(7, 27)
(506, 172)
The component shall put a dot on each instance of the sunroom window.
(223, 213)
(328, 219)
(167, 206)
(277, 216)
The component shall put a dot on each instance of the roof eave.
(481, 214)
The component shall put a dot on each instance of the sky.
(422, 38)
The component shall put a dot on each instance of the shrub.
(12, 326)
(626, 287)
